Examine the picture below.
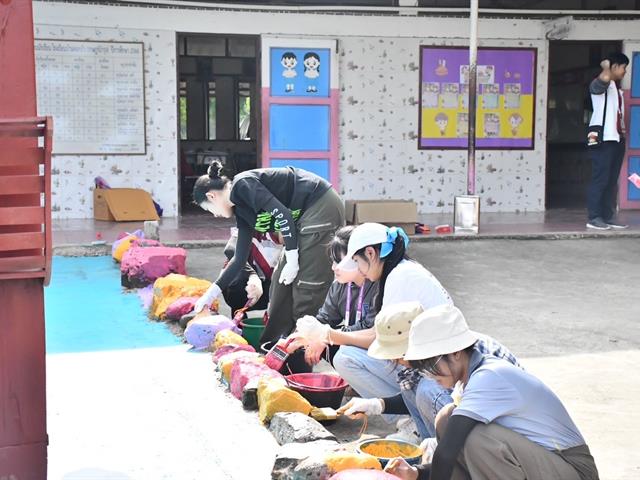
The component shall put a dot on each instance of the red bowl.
(318, 382)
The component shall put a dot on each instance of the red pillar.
(24, 240)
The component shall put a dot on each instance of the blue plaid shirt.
(409, 378)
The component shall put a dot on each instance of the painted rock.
(202, 331)
(180, 307)
(242, 371)
(141, 266)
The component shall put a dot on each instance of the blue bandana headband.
(392, 235)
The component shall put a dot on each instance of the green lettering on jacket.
(265, 222)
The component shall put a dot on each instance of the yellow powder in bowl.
(391, 449)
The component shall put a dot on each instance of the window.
(244, 110)
(183, 110)
(211, 110)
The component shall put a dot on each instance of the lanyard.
(347, 313)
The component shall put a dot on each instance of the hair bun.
(214, 169)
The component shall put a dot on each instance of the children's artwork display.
(506, 82)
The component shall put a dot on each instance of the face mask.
(210, 207)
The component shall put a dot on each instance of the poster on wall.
(506, 98)
(300, 72)
(95, 93)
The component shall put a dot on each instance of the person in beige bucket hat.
(392, 327)
(507, 425)
(417, 395)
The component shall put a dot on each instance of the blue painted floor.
(86, 310)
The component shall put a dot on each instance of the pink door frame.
(623, 181)
(332, 101)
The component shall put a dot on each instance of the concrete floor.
(204, 229)
(567, 308)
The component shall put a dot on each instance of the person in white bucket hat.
(508, 424)
(420, 396)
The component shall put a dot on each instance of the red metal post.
(25, 249)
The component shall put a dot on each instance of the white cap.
(439, 331)
(364, 235)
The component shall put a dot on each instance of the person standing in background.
(606, 157)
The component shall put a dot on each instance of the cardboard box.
(393, 213)
(123, 205)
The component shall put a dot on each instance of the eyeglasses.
(430, 366)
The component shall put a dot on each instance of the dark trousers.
(306, 294)
(606, 161)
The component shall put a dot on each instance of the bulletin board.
(95, 93)
(506, 83)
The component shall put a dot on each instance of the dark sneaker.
(616, 225)
(598, 224)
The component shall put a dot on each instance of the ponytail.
(213, 180)
(391, 253)
(391, 261)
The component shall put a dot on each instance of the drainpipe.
(473, 59)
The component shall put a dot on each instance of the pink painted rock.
(244, 370)
(141, 266)
(225, 349)
(180, 307)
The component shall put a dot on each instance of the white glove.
(428, 447)
(312, 330)
(290, 269)
(368, 406)
(254, 289)
(456, 394)
(207, 299)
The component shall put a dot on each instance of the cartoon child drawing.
(441, 69)
(289, 62)
(442, 120)
(515, 120)
(311, 64)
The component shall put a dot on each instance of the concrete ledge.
(90, 250)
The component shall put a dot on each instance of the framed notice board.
(95, 93)
(506, 98)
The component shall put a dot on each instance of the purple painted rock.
(142, 265)
(180, 307)
(200, 332)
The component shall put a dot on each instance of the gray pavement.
(541, 298)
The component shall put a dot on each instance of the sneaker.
(407, 431)
(598, 224)
(617, 226)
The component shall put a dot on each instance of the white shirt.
(411, 282)
(615, 106)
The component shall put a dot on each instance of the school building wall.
(379, 63)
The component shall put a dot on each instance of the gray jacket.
(335, 303)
